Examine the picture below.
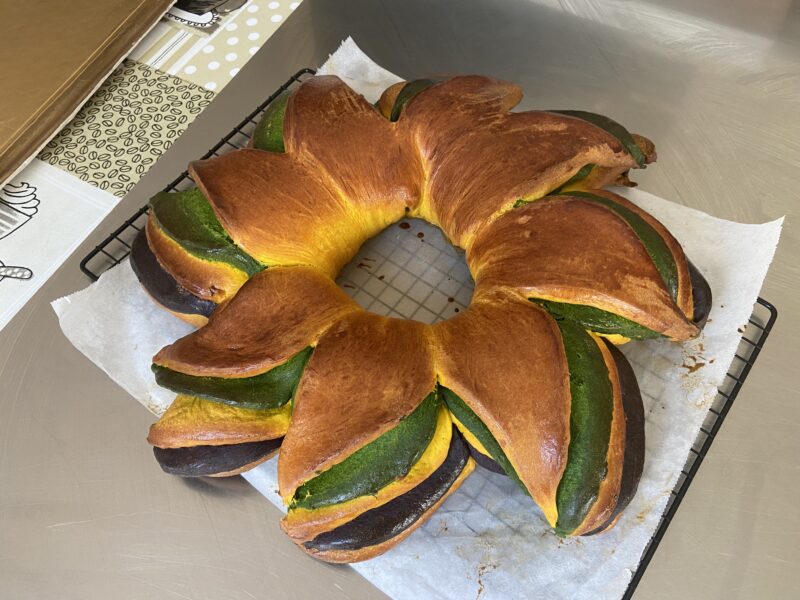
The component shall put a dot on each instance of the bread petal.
(571, 250)
(366, 374)
(504, 358)
(276, 314)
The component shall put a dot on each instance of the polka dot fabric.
(228, 49)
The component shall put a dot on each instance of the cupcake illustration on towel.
(18, 204)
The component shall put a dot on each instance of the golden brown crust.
(358, 151)
(684, 300)
(366, 374)
(571, 250)
(279, 210)
(351, 556)
(608, 492)
(504, 357)
(480, 159)
(215, 281)
(472, 96)
(388, 98)
(276, 314)
(191, 421)
(458, 101)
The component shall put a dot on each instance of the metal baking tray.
(457, 288)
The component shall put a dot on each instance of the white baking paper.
(487, 540)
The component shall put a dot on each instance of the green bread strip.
(591, 410)
(470, 420)
(409, 91)
(375, 465)
(596, 320)
(521, 202)
(187, 218)
(272, 389)
(582, 174)
(612, 127)
(268, 134)
(653, 243)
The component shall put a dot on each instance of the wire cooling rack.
(116, 247)
(754, 337)
(416, 274)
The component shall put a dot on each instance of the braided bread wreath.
(377, 419)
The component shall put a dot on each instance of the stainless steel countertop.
(85, 511)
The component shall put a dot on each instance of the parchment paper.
(487, 540)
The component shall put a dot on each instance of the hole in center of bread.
(409, 271)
